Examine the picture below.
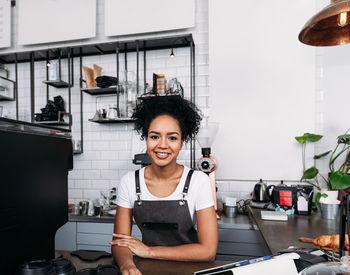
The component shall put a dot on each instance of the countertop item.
(280, 235)
(149, 266)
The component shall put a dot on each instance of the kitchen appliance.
(33, 197)
(207, 163)
(38, 267)
(100, 270)
(260, 192)
(84, 208)
(63, 266)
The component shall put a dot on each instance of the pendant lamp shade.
(329, 27)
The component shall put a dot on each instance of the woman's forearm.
(122, 256)
(187, 252)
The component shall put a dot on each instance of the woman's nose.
(163, 142)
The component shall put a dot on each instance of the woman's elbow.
(209, 255)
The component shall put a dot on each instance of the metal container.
(329, 211)
(230, 211)
(84, 208)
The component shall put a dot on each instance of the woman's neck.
(163, 173)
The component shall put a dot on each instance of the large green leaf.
(310, 173)
(313, 137)
(318, 197)
(344, 139)
(322, 155)
(301, 139)
(339, 180)
(308, 137)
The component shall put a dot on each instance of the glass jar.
(112, 112)
(131, 95)
(54, 71)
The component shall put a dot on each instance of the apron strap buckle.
(139, 202)
(182, 201)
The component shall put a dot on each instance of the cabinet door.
(66, 237)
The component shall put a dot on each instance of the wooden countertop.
(148, 266)
(279, 235)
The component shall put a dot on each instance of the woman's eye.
(173, 138)
(153, 137)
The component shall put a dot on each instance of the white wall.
(261, 87)
(107, 148)
(107, 151)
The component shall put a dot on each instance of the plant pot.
(329, 211)
(332, 195)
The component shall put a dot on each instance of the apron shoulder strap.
(137, 186)
(187, 183)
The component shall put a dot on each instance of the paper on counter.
(269, 267)
(281, 266)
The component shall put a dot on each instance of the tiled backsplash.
(108, 148)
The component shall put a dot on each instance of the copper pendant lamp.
(329, 27)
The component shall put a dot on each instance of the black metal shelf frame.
(15, 85)
(116, 47)
(137, 46)
(57, 83)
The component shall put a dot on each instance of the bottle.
(147, 90)
(131, 95)
(161, 84)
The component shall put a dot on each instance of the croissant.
(327, 241)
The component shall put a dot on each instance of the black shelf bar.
(144, 67)
(47, 74)
(165, 42)
(57, 84)
(16, 84)
(6, 98)
(117, 120)
(137, 68)
(100, 91)
(69, 88)
(81, 100)
(32, 86)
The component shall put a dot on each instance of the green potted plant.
(338, 177)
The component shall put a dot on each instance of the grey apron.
(164, 222)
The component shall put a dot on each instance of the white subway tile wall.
(108, 148)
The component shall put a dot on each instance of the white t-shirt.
(199, 195)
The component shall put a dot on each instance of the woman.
(168, 201)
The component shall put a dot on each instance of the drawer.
(239, 236)
(93, 239)
(89, 227)
(243, 249)
(66, 237)
(94, 247)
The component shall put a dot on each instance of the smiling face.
(164, 140)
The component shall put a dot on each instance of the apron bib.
(164, 222)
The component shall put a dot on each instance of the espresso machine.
(207, 162)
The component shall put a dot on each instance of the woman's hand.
(135, 245)
(130, 270)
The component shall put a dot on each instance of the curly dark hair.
(184, 111)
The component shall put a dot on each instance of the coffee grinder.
(207, 163)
